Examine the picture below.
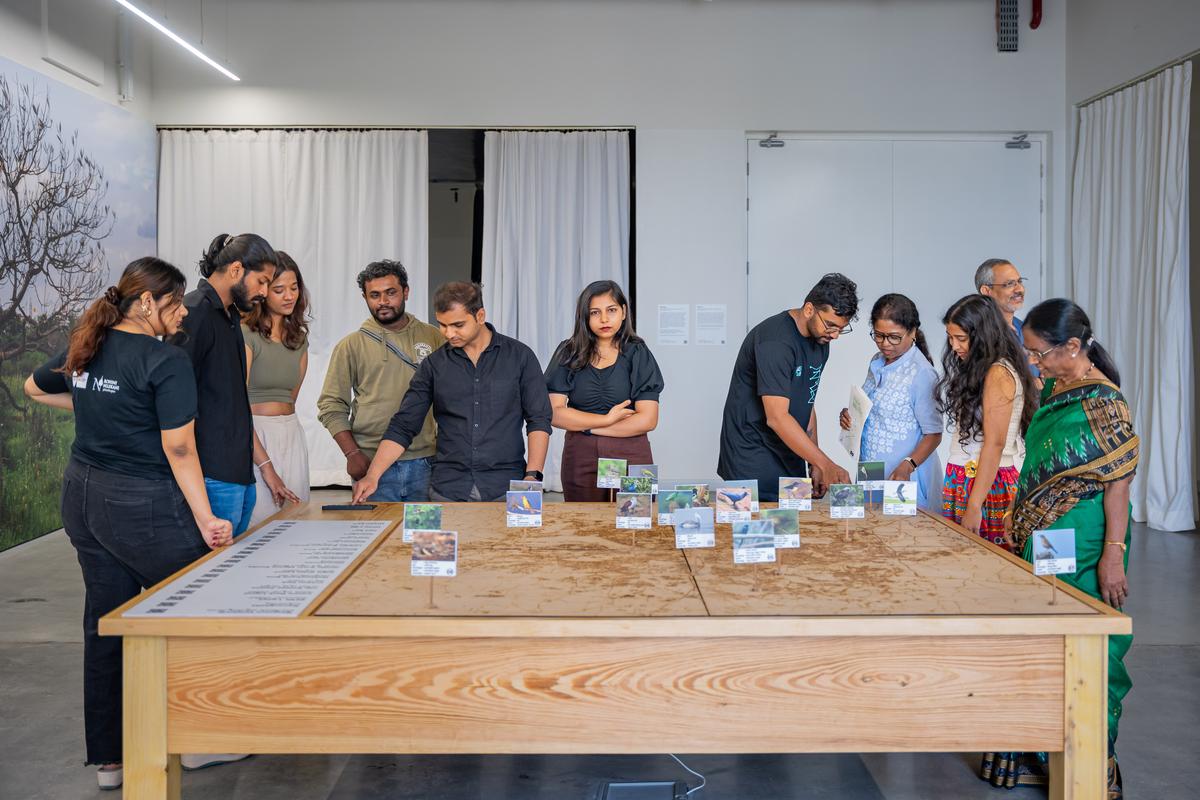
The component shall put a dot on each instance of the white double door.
(912, 215)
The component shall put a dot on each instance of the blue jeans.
(231, 501)
(404, 482)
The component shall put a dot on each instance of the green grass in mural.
(34, 447)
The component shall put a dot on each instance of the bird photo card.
(870, 475)
(434, 554)
(701, 490)
(846, 501)
(900, 498)
(1054, 551)
(787, 526)
(525, 486)
(694, 527)
(524, 509)
(754, 542)
(633, 510)
(671, 501)
(421, 517)
(795, 493)
(609, 472)
(733, 503)
(752, 485)
(645, 471)
(632, 484)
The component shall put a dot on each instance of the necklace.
(1084, 376)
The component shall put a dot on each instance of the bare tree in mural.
(52, 220)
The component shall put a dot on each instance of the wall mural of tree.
(62, 241)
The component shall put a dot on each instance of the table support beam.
(150, 773)
(1079, 772)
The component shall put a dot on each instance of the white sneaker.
(201, 760)
(109, 779)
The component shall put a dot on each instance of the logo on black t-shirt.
(105, 385)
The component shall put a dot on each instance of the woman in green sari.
(1081, 453)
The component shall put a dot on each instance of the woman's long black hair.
(900, 310)
(960, 389)
(579, 351)
(1058, 320)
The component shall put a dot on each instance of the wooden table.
(908, 635)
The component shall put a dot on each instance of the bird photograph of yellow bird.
(524, 503)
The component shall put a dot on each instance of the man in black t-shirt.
(769, 427)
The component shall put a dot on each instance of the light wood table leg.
(1080, 771)
(150, 774)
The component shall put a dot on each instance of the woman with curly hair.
(989, 396)
(276, 335)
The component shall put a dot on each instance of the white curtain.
(334, 200)
(555, 218)
(1129, 242)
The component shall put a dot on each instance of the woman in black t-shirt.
(133, 498)
(604, 385)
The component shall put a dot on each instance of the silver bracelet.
(263, 464)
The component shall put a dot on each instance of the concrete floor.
(41, 718)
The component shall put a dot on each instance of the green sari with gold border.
(1078, 441)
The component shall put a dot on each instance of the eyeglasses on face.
(891, 338)
(1014, 283)
(1034, 355)
(833, 327)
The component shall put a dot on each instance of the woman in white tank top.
(988, 395)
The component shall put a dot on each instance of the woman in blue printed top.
(904, 428)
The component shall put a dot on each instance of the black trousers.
(129, 533)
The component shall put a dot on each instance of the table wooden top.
(578, 575)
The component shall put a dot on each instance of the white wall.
(1113, 41)
(691, 76)
(87, 25)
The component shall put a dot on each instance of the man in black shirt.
(481, 385)
(769, 428)
(237, 271)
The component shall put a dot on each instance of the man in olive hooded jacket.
(369, 372)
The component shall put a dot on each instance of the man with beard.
(236, 270)
(998, 279)
(769, 429)
(368, 373)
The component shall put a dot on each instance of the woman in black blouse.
(604, 385)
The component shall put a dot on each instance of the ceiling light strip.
(170, 34)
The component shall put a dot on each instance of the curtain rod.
(1145, 75)
(233, 128)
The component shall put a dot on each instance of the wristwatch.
(910, 460)
(537, 476)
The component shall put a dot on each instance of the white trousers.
(283, 439)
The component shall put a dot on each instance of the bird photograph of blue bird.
(733, 499)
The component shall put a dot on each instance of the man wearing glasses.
(769, 427)
(999, 280)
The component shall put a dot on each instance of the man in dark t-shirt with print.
(769, 427)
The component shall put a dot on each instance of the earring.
(1076, 353)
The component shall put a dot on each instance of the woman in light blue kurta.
(904, 427)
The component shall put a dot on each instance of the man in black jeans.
(481, 385)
